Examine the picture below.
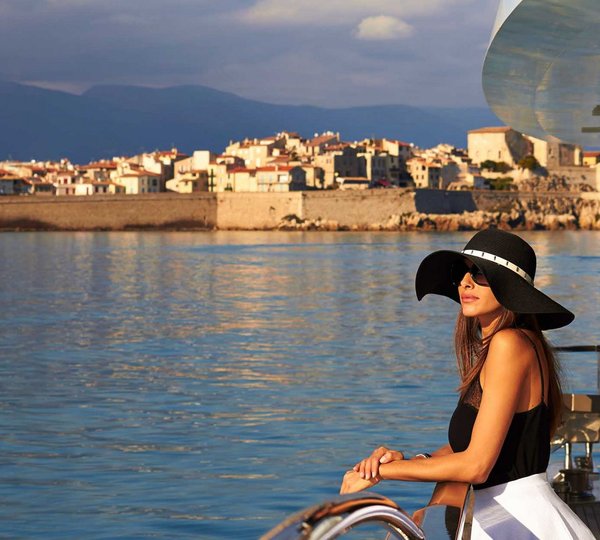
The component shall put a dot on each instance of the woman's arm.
(443, 451)
(369, 467)
(506, 371)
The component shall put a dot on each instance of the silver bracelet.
(424, 455)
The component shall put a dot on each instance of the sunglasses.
(459, 269)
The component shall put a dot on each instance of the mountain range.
(108, 121)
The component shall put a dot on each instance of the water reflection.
(205, 384)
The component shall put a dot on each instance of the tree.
(489, 165)
(504, 183)
(529, 162)
(496, 166)
(503, 167)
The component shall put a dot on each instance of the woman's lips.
(466, 298)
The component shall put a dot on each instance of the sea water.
(206, 385)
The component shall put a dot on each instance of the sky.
(331, 53)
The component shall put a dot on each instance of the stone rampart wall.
(357, 209)
(577, 175)
(434, 201)
(161, 210)
(387, 209)
(256, 210)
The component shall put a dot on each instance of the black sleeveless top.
(526, 449)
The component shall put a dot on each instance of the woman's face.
(476, 296)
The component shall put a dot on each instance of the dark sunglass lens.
(457, 273)
(459, 269)
(478, 276)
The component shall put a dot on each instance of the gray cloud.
(304, 51)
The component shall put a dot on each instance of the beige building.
(162, 163)
(37, 186)
(198, 161)
(190, 182)
(591, 159)
(255, 152)
(341, 160)
(280, 179)
(99, 171)
(199, 172)
(386, 160)
(383, 166)
(65, 178)
(61, 190)
(319, 143)
(425, 174)
(238, 179)
(499, 144)
(13, 185)
(449, 173)
(350, 183)
(293, 141)
(554, 154)
(403, 150)
(25, 170)
(139, 181)
(315, 176)
(91, 188)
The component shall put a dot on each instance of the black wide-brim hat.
(509, 264)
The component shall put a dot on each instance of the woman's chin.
(469, 310)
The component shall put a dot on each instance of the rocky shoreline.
(522, 215)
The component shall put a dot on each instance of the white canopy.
(541, 74)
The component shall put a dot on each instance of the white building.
(499, 144)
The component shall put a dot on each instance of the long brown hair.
(472, 349)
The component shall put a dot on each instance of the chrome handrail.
(389, 516)
(332, 518)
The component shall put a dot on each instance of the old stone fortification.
(409, 210)
(108, 212)
(255, 210)
(386, 209)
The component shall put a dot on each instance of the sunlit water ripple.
(204, 385)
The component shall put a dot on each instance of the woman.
(510, 395)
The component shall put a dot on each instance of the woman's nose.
(467, 280)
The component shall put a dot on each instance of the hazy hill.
(120, 120)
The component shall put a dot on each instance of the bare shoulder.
(511, 348)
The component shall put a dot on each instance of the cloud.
(383, 27)
(305, 51)
(336, 12)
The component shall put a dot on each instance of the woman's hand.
(352, 483)
(368, 468)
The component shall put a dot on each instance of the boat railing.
(440, 520)
(580, 425)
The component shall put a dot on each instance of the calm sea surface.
(205, 385)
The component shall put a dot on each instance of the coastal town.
(497, 158)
